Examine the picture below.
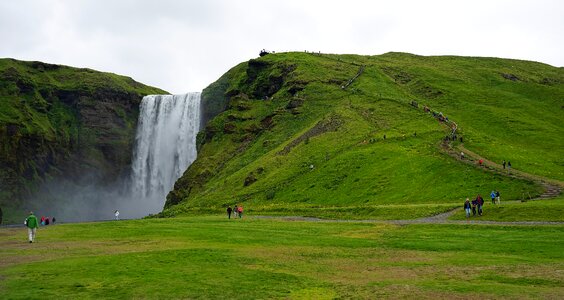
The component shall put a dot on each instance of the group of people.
(476, 206)
(47, 220)
(495, 197)
(506, 164)
(237, 211)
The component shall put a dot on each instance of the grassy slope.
(354, 166)
(43, 80)
(213, 257)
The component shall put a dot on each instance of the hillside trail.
(552, 187)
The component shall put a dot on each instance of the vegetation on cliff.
(292, 135)
(58, 121)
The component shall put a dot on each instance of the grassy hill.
(63, 122)
(288, 137)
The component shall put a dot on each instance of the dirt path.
(552, 187)
(437, 219)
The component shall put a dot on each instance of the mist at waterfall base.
(165, 145)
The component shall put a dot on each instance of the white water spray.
(165, 145)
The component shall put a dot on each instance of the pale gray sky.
(182, 46)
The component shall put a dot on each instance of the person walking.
(467, 207)
(497, 198)
(493, 197)
(480, 203)
(508, 167)
(229, 210)
(116, 214)
(235, 211)
(503, 163)
(240, 211)
(474, 204)
(32, 225)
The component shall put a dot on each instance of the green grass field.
(212, 257)
(537, 210)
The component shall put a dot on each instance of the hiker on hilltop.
(32, 225)
(116, 214)
(229, 210)
(467, 207)
(493, 197)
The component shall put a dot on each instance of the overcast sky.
(182, 46)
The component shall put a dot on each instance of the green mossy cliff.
(63, 122)
(287, 131)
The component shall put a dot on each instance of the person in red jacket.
(240, 211)
(480, 203)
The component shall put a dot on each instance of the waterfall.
(165, 145)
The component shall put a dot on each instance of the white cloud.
(183, 46)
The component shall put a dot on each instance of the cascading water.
(165, 145)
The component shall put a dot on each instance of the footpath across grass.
(535, 210)
(251, 258)
(349, 212)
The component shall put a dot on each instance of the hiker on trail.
(503, 164)
(508, 166)
(47, 221)
(229, 210)
(481, 162)
(32, 225)
(493, 197)
(467, 207)
(235, 211)
(474, 204)
(42, 220)
(53, 220)
(240, 211)
(480, 203)
(461, 155)
(497, 198)
(116, 214)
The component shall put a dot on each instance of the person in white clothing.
(116, 213)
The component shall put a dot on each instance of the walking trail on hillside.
(552, 187)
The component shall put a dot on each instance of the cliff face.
(63, 122)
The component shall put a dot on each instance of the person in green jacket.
(32, 225)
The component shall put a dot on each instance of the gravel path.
(437, 219)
